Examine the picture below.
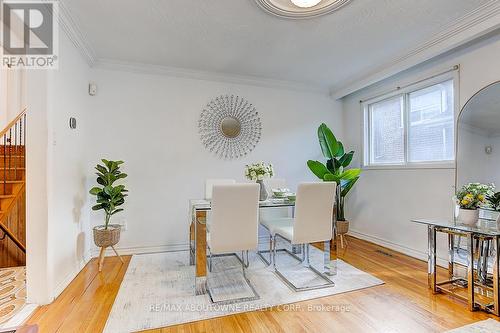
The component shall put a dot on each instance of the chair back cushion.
(234, 224)
(209, 184)
(314, 212)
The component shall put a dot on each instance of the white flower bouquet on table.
(259, 171)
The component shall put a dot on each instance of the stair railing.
(13, 146)
(13, 156)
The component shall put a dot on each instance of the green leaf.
(98, 207)
(331, 178)
(318, 168)
(347, 187)
(350, 174)
(101, 181)
(340, 151)
(117, 211)
(101, 169)
(331, 165)
(95, 190)
(327, 141)
(108, 190)
(346, 159)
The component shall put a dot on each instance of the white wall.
(151, 122)
(69, 232)
(12, 94)
(36, 189)
(56, 192)
(383, 202)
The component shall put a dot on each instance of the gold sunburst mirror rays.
(230, 127)
(300, 9)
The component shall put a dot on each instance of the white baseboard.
(397, 247)
(142, 249)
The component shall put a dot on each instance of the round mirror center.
(230, 127)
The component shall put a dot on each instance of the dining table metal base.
(479, 288)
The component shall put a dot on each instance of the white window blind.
(413, 127)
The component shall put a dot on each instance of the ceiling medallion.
(300, 9)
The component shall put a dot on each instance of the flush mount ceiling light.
(305, 3)
(300, 9)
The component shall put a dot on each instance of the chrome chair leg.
(271, 240)
(308, 260)
(272, 244)
(209, 260)
(274, 252)
(328, 283)
(304, 253)
(326, 258)
(245, 263)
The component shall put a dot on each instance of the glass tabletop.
(483, 226)
(203, 204)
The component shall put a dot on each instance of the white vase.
(263, 191)
(468, 216)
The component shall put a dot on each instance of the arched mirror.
(478, 142)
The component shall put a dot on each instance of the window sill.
(416, 166)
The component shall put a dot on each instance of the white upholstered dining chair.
(234, 226)
(312, 224)
(209, 185)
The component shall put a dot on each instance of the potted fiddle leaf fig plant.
(335, 170)
(109, 198)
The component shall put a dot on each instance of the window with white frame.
(413, 127)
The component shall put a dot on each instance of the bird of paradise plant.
(335, 169)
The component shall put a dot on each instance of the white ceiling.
(237, 37)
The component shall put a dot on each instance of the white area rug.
(158, 290)
(485, 326)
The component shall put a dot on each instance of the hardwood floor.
(403, 304)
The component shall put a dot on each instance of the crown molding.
(186, 73)
(76, 35)
(477, 23)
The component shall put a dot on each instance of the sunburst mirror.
(230, 127)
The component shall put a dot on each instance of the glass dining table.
(198, 237)
(483, 241)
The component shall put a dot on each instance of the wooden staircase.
(13, 193)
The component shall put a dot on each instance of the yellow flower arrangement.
(473, 195)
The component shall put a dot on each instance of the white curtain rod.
(454, 68)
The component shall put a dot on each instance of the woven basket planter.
(107, 237)
(342, 227)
